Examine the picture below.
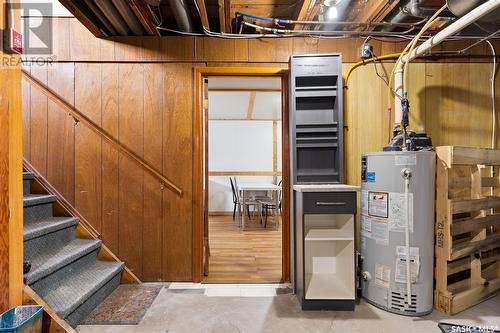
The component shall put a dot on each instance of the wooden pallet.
(467, 269)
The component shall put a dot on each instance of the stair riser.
(37, 245)
(38, 212)
(92, 302)
(26, 186)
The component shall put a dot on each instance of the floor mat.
(127, 305)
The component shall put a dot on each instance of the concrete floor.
(193, 310)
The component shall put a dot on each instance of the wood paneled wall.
(11, 189)
(141, 90)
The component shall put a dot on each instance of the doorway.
(241, 176)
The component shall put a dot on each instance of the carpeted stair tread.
(79, 285)
(50, 261)
(38, 199)
(48, 225)
(28, 175)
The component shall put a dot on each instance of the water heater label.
(380, 231)
(366, 226)
(382, 275)
(397, 212)
(405, 159)
(401, 257)
(378, 204)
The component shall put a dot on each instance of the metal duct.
(181, 14)
(414, 8)
(113, 16)
(129, 17)
(101, 17)
(461, 7)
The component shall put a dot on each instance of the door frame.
(199, 173)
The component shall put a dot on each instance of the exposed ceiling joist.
(203, 14)
(371, 11)
(82, 17)
(222, 16)
(227, 9)
(303, 8)
(145, 16)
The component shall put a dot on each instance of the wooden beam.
(82, 17)
(227, 9)
(145, 16)
(302, 10)
(11, 188)
(203, 14)
(371, 11)
(251, 105)
(222, 16)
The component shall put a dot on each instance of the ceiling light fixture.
(331, 3)
(332, 13)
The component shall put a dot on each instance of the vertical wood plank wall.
(11, 190)
(141, 90)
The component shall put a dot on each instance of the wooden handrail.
(80, 117)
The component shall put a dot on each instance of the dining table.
(247, 189)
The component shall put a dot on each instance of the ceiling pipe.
(101, 17)
(411, 9)
(129, 17)
(414, 8)
(181, 14)
(463, 22)
(113, 16)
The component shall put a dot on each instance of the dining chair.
(237, 200)
(235, 197)
(266, 205)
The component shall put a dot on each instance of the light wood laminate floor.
(250, 256)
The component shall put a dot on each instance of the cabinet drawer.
(330, 203)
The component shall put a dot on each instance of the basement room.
(249, 166)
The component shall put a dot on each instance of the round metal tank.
(383, 227)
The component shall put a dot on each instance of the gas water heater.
(397, 230)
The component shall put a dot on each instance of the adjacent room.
(244, 179)
(249, 166)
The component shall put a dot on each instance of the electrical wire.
(392, 90)
(493, 104)
(431, 21)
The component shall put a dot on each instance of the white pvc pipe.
(452, 29)
(407, 239)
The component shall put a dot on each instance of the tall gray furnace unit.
(398, 187)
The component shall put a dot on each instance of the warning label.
(401, 257)
(382, 275)
(378, 204)
(397, 211)
(380, 231)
